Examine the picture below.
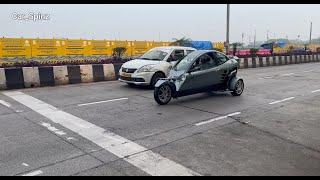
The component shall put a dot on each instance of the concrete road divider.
(250, 63)
(31, 77)
(74, 74)
(116, 69)
(14, 78)
(2, 79)
(98, 72)
(46, 76)
(86, 73)
(60, 75)
(109, 72)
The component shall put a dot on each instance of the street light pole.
(310, 33)
(228, 21)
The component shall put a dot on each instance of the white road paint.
(289, 74)
(218, 118)
(309, 71)
(99, 102)
(34, 173)
(25, 164)
(53, 129)
(5, 103)
(316, 91)
(139, 156)
(276, 102)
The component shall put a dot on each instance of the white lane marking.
(276, 102)
(5, 103)
(309, 71)
(34, 173)
(315, 91)
(25, 164)
(139, 156)
(53, 129)
(99, 102)
(218, 118)
(289, 74)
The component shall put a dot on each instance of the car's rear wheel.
(239, 87)
(155, 78)
(163, 94)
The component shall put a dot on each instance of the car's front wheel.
(163, 94)
(239, 87)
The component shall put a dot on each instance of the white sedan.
(154, 64)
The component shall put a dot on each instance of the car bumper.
(137, 78)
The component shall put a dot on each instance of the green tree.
(253, 51)
(235, 46)
(118, 51)
(181, 42)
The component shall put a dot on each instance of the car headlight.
(147, 68)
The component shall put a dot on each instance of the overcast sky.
(164, 22)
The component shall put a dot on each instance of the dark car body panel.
(216, 78)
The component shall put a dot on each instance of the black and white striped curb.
(26, 77)
(256, 62)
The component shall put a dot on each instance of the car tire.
(163, 94)
(239, 87)
(155, 78)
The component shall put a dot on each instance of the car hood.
(138, 63)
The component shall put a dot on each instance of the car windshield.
(156, 55)
(185, 62)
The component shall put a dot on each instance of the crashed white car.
(154, 64)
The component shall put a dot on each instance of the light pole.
(310, 33)
(254, 39)
(228, 21)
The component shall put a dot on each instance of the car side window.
(220, 58)
(204, 62)
(176, 55)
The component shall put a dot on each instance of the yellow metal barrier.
(20, 47)
(15, 47)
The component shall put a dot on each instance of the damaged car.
(200, 71)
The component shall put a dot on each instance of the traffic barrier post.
(74, 74)
(60, 75)
(109, 72)
(86, 73)
(97, 71)
(2, 79)
(46, 76)
(31, 77)
(14, 78)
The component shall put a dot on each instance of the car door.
(223, 68)
(202, 74)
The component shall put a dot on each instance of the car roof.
(200, 52)
(174, 47)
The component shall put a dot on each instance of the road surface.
(109, 128)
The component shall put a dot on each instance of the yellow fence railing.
(19, 47)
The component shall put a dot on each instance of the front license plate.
(126, 75)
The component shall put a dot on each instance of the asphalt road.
(272, 129)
